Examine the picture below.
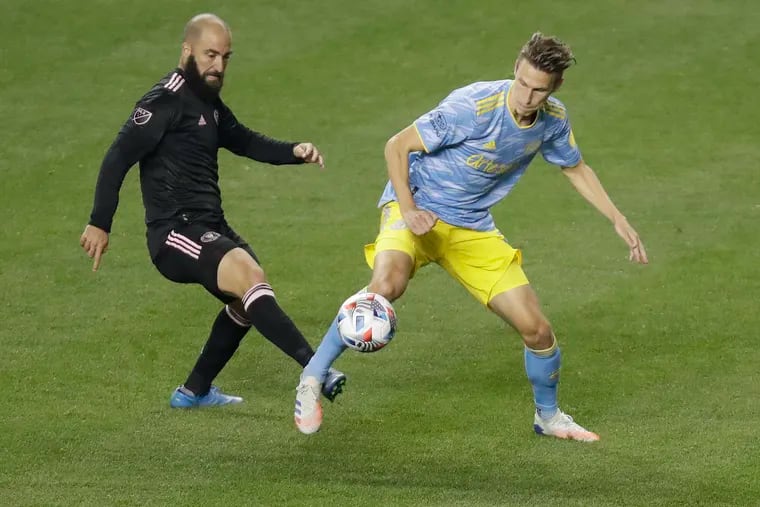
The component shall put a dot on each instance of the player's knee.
(238, 272)
(389, 286)
(538, 336)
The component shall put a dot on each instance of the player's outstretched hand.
(631, 237)
(419, 221)
(94, 241)
(309, 153)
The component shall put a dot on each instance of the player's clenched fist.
(309, 153)
(419, 221)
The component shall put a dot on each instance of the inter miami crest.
(209, 236)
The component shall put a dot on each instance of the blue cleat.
(183, 398)
(333, 384)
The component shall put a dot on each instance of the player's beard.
(207, 91)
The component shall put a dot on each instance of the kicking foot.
(308, 411)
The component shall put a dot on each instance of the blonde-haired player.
(446, 171)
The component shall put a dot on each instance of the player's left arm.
(586, 182)
(245, 142)
(561, 149)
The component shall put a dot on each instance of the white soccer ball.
(366, 322)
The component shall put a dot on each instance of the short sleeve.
(561, 149)
(452, 122)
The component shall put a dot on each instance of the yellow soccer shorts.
(483, 262)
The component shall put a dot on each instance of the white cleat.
(308, 412)
(562, 425)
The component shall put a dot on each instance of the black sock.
(226, 333)
(267, 316)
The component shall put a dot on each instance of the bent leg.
(241, 276)
(489, 268)
(187, 255)
(390, 277)
(520, 308)
(392, 258)
(391, 274)
(228, 330)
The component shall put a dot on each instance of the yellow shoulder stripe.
(490, 103)
(555, 110)
(554, 105)
(492, 98)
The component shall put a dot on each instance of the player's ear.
(517, 62)
(187, 50)
(557, 83)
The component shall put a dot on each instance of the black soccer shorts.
(191, 253)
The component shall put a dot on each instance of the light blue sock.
(542, 367)
(328, 351)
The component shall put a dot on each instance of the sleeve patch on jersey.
(440, 125)
(141, 116)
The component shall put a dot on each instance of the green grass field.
(662, 361)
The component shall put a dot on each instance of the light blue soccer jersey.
(475, 152)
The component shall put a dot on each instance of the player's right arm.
(397, 151)
(138, 136)
(452, 122)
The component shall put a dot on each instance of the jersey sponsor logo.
(216, 116)
(440, 125)
(202, 121)
(486, 165)
(141, 116)
(209, 236)
(490, 145)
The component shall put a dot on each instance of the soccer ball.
(366, 322)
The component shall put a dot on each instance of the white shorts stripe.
(179, 246)
(189, 243)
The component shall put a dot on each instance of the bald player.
(174, 132)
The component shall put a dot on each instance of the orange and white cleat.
(562, 425)
(308, 411)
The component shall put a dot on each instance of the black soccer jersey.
(175, 136)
